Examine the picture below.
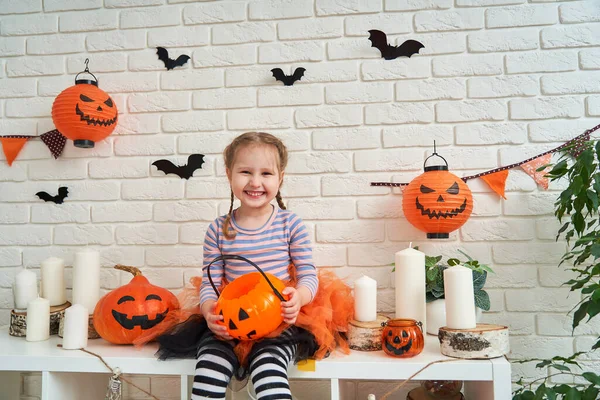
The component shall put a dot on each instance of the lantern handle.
(236, 257)
(435, 167)
(86, 71)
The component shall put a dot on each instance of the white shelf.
(16, 354)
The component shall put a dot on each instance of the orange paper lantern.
(437, 201)
(84, 113)
(251, 304)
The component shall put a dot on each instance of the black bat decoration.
(288, 80)
(195, 162)
(163, 55)
(58, 199)
(408, 48)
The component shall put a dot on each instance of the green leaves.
(482, 300)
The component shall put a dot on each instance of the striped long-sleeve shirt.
(282, 240)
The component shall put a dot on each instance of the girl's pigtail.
(229, 234)
(280, 200)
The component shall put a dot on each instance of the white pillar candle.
(460, 301)
(38, 320)
(410, 285)
(25, 289)
(53, 281)
(86, 279)
(365, 299)
(75, 334)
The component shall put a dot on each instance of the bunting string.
(578, 141)
(12, 144)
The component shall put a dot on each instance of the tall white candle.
(460, 301)
(365, 299)
(86, 279)
(75, 334)
(410, 285)
(25, 289)
(53, 281)
(38, 320)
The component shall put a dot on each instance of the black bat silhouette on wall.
(163, 55)
(408, 48)
(58, 199)
(288, 80)
(185, 171)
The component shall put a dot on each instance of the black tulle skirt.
(187, 338)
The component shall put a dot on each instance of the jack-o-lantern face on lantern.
(133, 309)
(84, 113)
(437, 202)
(402, 338)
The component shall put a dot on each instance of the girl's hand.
(212, 319)
(291, 308)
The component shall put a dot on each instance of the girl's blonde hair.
(249, 139)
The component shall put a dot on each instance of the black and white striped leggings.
(268, 369)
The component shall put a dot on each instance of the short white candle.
(460, 301)
(365, 299)
(25, 289)
(410, 285)
(38, 320)
(53, 281)
(75, 334)
(86, 279)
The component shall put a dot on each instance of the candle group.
(365, 299)
(75, 334)
(38, 320)
(25, 289)
(410, 285)
(86, 279)
(460, 300)
(53, 281)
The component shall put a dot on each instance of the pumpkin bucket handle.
(236, 257)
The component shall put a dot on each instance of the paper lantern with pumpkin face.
(137, 308)
(84, 113)
(402, 338)
(437, 202)
(251, 304)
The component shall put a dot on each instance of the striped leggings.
(268, 370)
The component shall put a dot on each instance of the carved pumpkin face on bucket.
(138, 307)
(437, 202)
(402, 338)
(84, 113)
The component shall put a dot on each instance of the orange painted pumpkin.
(251, 304)
(125, 313)
(437, 202)
(84, 113)
(402, 338)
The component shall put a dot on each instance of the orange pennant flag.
(12, 145)
(538, 176)
(497, 181)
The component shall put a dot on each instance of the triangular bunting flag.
(579, 144)
(497, 181)
(12, 145)
(55, 141)
(538, 176)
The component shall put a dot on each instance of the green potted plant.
(434, 287)
(576, 206)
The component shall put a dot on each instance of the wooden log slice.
(366, 336)
(484, 341)
(18, 320)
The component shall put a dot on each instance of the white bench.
(75, 375)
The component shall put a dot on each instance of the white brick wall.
(497, 81)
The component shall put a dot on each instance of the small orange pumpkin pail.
(251, 304)
(402, 338)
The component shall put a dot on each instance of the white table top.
(16, 354)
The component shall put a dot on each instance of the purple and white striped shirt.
(282, 240)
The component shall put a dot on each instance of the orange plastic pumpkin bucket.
(251, 304)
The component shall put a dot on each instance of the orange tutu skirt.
(326, 317)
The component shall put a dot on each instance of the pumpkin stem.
(132, 270)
